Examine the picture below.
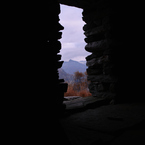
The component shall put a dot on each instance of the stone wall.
(113, 33)
(100, 43)
(55, 45)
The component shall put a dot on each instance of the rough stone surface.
(94, 71)
(77, 102)
(29, 66)
(111, 29)
(111, 124)
(97, 46)
(100, 42)
(93, 31)
(102, 78)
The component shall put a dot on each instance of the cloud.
(71, 13)
(75, 51)
(68, 45)
(73, 43)
(79, 58)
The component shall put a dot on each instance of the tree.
(79, 86)
(78, 80)
(78, 77)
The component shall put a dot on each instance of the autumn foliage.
(79, 86)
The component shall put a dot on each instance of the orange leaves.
(79, 87)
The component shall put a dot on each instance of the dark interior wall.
(40, 53)
(127, 29)
(113, 31)
(33, 92)
(32, 100)
(75, 3)
(100, 42)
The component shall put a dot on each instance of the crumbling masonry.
(109, 38)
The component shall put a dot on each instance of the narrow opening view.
(73, 70)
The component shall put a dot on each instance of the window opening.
(73, 70)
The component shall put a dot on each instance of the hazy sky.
(72, 36)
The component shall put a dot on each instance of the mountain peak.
(72, 66)
(72, 60)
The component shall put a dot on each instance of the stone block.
(94, 71)
(60, 27)
(59, 64)
(63, 87)
(61, 80)
(55, 46)
(98, 14)
(91, 62)
(102, 78)
(97, 46)
(94, 63)
(92, 25)
(101, 94)
(108, 69)
(98, 62)
(93, 31)
(93, 55)
(93, 88)
(58, 57)
(95, 37)
(100, 87)
(106, 86)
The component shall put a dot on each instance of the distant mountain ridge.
(67, 70)
(63, 75)
(72, 66)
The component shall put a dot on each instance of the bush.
(70, 91)
(81, 93)
(79, 87)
